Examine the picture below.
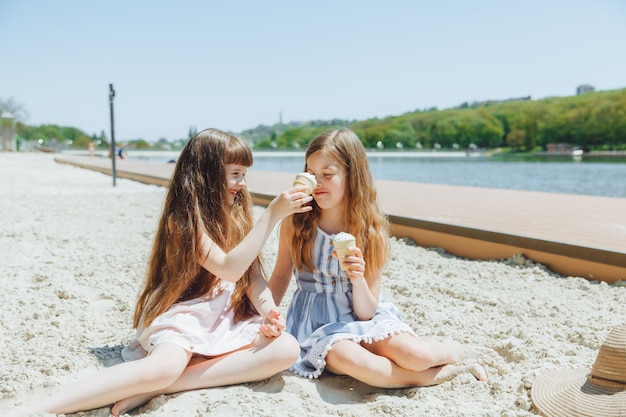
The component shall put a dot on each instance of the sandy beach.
(73, 251)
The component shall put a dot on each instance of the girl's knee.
(287, 348)
(283, 350)
(164, 373)
(163, 368)
(347, 354)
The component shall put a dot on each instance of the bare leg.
(419, 353)
(160, 369)
(414, 353)
(266, 358)
(398, 361)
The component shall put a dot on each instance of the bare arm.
(261, 297)
(365, 285)
(259, 293)
(283, 269)
(232, 265)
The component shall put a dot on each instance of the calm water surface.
(600, 178)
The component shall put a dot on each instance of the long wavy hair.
(196, 202)
(363, 215)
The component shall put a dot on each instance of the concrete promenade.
(572, 235)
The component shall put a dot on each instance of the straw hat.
(577, 392)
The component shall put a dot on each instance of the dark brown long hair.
(363, 215)
(196, 201)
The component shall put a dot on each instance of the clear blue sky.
(237, 64)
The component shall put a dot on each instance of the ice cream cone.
(342, 242)
(304, 178)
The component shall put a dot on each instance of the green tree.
(81, 142)
(516, 139)
(402, 134)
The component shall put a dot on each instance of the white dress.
(204, 326)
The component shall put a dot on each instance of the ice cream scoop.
(341, 242)
(304, 178)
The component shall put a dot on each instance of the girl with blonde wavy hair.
(205, 316)
(337, 314)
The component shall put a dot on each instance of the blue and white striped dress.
(321, 313)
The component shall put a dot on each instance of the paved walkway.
(570, 234)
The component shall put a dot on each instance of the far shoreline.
(612, 156)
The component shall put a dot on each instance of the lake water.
(598, 177)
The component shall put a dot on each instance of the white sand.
(72, 256)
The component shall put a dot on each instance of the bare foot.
(449, 372)
(130, 403)
(478, 371)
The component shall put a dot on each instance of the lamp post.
(113, 154)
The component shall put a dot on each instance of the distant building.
(585, 88)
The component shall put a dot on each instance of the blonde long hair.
(197, 201)
(363, 215)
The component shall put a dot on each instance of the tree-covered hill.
(594, 120)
